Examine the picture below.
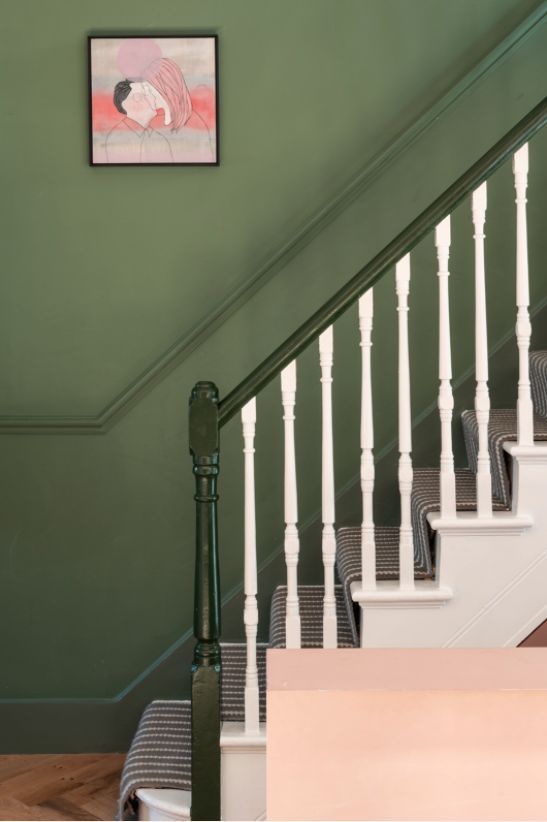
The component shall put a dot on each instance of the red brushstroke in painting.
(105, 114)
(204, 104)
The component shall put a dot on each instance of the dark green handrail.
(391, 254)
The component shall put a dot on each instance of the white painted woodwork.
(157, 804)
(242, 781)
(292, 541)
(242, 772)
(326, 356)
(406, 540)
(482, 396)
(496, 568)
(446, 399)
(389, 594)
(368, 541)
(525, 414)
(250, 614)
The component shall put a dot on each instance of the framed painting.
(153, 100)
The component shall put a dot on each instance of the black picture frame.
(153, 99)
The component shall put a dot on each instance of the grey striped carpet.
(348, 562)
(232, 693)
(310, 601)
(538, 380)
(159, 756)
(426, 499)
(502, 427)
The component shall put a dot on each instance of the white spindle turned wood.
(525, 414)
(250, 616)
(292, 542)
(368, 542)
(482, 397)
(446, 399)
(406, 540)
(326, 354)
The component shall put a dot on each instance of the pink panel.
(407, 734)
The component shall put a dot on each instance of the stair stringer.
(492, 572)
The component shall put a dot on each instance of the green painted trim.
(187, 637)
(125, 692)
(39, 424)
(185, 345)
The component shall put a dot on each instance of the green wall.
(123, 286)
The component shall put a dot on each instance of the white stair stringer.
(242, 772)
(491, 575)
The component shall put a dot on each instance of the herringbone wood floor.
(74, 786)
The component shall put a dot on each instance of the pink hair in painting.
(167, 78)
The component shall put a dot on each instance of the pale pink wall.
(407, 734)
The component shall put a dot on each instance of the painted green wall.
(109, 267)
(105, 269)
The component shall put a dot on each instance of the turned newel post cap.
(204, 431)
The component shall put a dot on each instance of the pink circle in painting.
(135, 54)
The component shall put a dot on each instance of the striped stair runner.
(538, 381)
(348, 562)
(159, 756)
(426, 498)
(310, 602)
(502, 428)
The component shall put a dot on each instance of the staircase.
(466, 567)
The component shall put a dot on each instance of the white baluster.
(406, 541)
(368, 542)
(250, 617)
(525, 414)
(326, 350)
(482, 397)
(292, 542)
(446, 399)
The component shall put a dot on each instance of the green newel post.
(206, 668)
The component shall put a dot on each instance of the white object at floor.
(243, 781)
(163, 803)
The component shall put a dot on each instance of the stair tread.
(348, 561)
(426, 499)
(502, 427)
(311, 617)
(160, 753)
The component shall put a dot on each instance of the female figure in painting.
(189, 139)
